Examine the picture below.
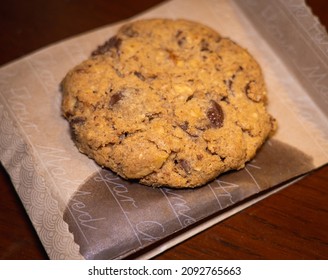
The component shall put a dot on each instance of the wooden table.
(292, 224)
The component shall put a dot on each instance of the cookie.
(168, 103)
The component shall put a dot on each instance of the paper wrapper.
(81, 211)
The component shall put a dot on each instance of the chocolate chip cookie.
(168, 103)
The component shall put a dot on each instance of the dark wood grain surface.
(291, 224)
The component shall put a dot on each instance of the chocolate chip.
(190, 97)
(139, 75)
(124, 135)
(115, 98)
(185, 165)
(181, 41)
(222, 158)
(215, 114)
(113, 43)
(204, 45)
(225, 99)
(180, 38)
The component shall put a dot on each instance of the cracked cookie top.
(168, 103)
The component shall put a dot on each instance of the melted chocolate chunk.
(115, 98)
(215, 114)
(113, 43)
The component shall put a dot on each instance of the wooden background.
(292, 224)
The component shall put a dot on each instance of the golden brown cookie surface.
(169, 103)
